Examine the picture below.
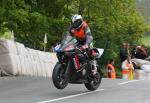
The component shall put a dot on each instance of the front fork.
(67, 68)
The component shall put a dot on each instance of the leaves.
(112, 22)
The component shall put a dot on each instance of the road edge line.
(71, 96)
(128, 82)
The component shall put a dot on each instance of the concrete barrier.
(139, 74)
(140, 62)
(16, 59)
(8, 64)
(144, 71)
(146, 68)
(8, 46)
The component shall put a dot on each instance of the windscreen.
(67, 40)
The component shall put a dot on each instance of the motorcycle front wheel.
(58, 76)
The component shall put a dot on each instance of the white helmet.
(76, 21)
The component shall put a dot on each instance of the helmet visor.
(77, 24)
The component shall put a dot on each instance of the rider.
(81, 31)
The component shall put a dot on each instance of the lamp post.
(45, 41)
(12, 35)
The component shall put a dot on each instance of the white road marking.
(71, 96)
(128, 82)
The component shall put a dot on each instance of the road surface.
(41, 90)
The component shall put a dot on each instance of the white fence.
(16, 59)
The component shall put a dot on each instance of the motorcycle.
(75, 65)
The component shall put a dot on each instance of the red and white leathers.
(82, 34)
(84, 38)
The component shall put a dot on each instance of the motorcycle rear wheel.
(94, 83)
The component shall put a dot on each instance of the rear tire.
(59, 80)
(94, 83)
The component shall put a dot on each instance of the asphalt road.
(41, 90)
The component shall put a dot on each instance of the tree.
(112, 22)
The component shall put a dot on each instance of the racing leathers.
(84, 39)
